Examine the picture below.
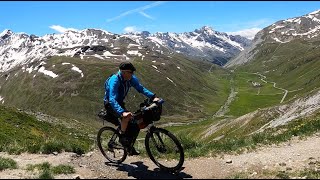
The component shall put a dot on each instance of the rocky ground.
(291, 156)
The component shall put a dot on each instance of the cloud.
(246, 29)
(62, 29)
(130, 29)
(248, 33)
(137, 10)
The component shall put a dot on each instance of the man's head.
(127, 70)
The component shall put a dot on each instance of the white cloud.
(130, 29)
(62, 29)
(248, 33)
(139, 10)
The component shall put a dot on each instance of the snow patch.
(48, 73)
(98, 56)
(1, 99)
(132, 52)
(75, 68)
(171, 81)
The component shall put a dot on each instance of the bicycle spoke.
(109, 145)
(164, 149)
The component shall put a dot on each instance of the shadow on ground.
(140, 171)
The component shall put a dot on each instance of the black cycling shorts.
(113, 112)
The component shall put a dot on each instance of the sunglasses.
(130, 72)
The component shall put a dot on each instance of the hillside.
(21, 132)
(54, 86)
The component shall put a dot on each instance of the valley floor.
(287, 157)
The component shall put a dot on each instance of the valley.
(241, 108)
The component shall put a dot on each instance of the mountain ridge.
(306, 27)
(21, 48)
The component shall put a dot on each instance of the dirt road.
(290, 156)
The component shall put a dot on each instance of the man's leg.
(132, 133)
(124, 124)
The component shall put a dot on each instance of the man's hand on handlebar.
(126, 114)
(156, 99)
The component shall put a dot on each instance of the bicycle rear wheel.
(109, 145)
(164, 149)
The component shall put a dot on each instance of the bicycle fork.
(160, 144)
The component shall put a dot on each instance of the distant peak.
(315, 12)
(205, 29)
(95, 30)
(6, 32)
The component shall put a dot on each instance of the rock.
(229, 161)
(288, 168)
(312, 163)
(55, 153)
(76, 177)
(282, 164)
(73, 155)
(253, 174)
(89, 154)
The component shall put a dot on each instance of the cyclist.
(117, 87)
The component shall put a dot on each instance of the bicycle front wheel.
(164, 149)
(110, 146)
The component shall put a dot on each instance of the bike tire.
(153, 152)
(104, 138)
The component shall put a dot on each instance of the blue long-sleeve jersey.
(116, 89)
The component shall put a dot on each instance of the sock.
(121, 132)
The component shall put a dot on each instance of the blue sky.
(47, 17)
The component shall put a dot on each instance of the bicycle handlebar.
(146, 108)
(154, 104)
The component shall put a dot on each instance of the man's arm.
(141, 89)
(113, 94)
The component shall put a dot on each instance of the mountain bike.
(162, 147)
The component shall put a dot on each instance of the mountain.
(305, 28)
(63, 75)
(204, 43)
(279, 71)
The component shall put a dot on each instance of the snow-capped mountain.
(305, 28)
(20, 48)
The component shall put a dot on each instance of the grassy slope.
(20, 132)
(293, 66)
(194, 93)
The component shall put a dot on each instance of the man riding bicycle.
(117, 87)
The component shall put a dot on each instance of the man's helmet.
(127, 66)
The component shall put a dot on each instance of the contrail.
(141, 9)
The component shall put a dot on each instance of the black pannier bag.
(152, 114)
(108, 117)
